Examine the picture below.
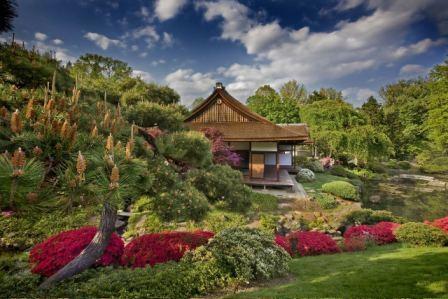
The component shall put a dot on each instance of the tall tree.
(7, 14)
(325, 94)
(373, 112)
(294, 91)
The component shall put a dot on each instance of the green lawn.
(382, 272)
(322, 178)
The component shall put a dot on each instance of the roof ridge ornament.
(219, 85)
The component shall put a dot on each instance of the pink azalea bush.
(357, 237)
(306, 243)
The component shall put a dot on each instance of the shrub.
(420, 234)
(441, 223)
(313, 165)
(191, 148)
(182, 202)
(376, 167)
(435, 165)
(282, 241)
(392, 164)
(268, 223)
(147, 114)
(311, 243)
(263, 202)
(368, 216)
(339, 170)
(218, 221)
(380, 233)
(364, 173)
(342, 189)
(222, 153)
(404, 165)
(159, 248)
(326, 201)
(243, 254)
(305, 175)
(54, 253)
(221, 183)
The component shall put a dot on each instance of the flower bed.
(306, 243)
(158, 248)
(54, 253)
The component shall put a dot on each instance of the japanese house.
(267, 149)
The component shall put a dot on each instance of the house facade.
(265, 148)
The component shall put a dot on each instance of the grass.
(322, 178)
(391, 271)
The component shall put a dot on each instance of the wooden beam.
(277, 166)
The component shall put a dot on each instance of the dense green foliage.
(342, 189)
(369, 217)
(421, 234)
(148, 114)
(326, 201)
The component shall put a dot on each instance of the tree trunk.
(92, 252)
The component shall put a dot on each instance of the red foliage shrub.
(54, 253)
(441, 223)
(283, 242)
(380, 233)
(162, 247)
(222, 153)
(307, 243)
(355, 244)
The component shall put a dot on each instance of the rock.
(375, 198)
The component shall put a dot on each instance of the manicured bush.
(369, 216)
(435, 165)
(306, 243)
(326, 201)
(305, 175)
(420, 234)
(54, 253)
(313, 165)
(159, 248)
(341, 189)
(217, 221)
(269, 222)
(262, 202)
(339, 170)
(243, 254)
(376, 167)
(441, 223)
(221, 183)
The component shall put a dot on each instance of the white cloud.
(61, 54)
(143, 54)
(283, 53)
(157, 62)
(102, 41)
(145, 14)
(168, 39)
(134, 48)
(148, 33)
(145, 76)
(40, 36)
(189, 84)
(167, 9)
(357, 96)
(58, 41)
(418, 48)
(413, 70)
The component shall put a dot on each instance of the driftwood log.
(92, 252)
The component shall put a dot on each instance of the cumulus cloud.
(145, 76)
(167, 9)
(40, 36)
(148, 33)
(102, 41)
(190, 84)
(58, 41)
(62, 54)
(283, 53)
(413, 70)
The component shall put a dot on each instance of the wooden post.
(277, 166)
(250, 159)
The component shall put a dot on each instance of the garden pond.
(414, 199)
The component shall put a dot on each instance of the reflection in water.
(413, 200)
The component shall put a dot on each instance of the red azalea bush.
(54, 253)
(380, 234)
(307, 243)
(162, 247)
(441, 223)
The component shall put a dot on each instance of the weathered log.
(92, 252)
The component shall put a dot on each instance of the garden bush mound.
(305, 243)
(54, 253)
(441, 223)
(326, 201)
(305, 175)
(313, 165)
(241, 254)
(421, 234)
(162, 247)
(341, 189)
(369, 216)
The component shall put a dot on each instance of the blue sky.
(356, 46)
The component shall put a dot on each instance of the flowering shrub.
(222, 153)
(162, 247)
(54, 253)
(307, 243)
(441, 223)
(380, 233)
